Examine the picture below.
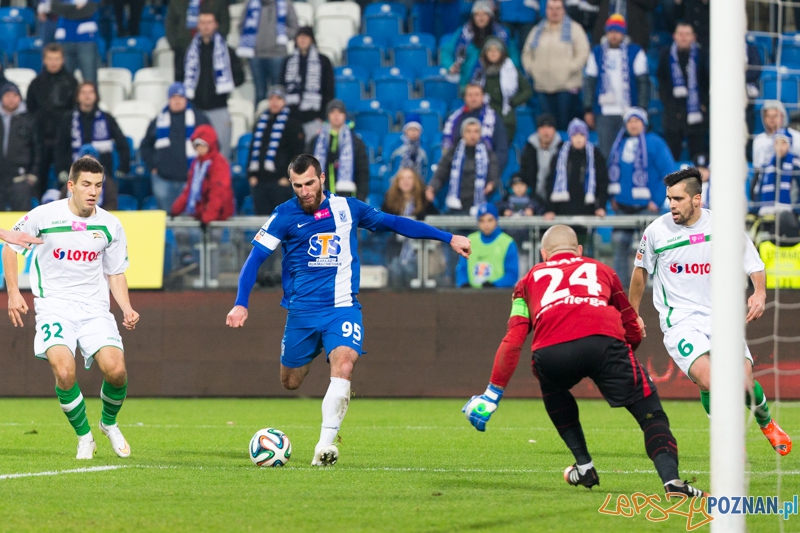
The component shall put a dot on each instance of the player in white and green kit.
(676, 250)
(82, 256)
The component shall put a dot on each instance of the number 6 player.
(583, 326)
(676, 249)
(84, 254)
(317, 231)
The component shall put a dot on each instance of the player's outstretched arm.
(16, 303)
(19, 238)
(461, 245)
(638, 284)
(247, 278)
(118, 284)
(757, 302)
(414, 229)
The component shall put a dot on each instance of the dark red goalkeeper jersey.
(565, 299)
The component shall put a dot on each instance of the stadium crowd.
(589, 104)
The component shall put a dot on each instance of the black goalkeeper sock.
(563, 411)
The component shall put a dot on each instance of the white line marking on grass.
(59, 472)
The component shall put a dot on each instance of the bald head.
(560, 239)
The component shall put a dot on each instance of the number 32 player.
(583, 326)
(320, 279)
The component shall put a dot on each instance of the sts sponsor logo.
(690, 268)
(325, 247)
(75, 255)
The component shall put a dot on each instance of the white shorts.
(689, 339)
(73, 324)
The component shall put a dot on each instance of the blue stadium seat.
(13, 14)
(762, 39)
(29, 53)
(149, 204)
(368, 57)
(378, 179)
(439, 87)
(659, 39)
(349, 72)
(790, 55)
(128, 58)
(655, 112)
(780, 87)
(348, 91)
(391, 141)
(432, 113)
(526, 124)
(10, 33)
(141, 44)
(247, 208)
(126, 202)
(241, 156)
(383, 28)
(434, 17)
(383, 8)
(372, 141)
(426, 40)
(370, 116)
(392, 86)
(512, 166)
(152, 23)
(413, 57)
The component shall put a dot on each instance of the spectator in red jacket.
(208, 194)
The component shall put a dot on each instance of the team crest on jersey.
(97, 235)
(342, 216)
(325, 247)
(482, 272)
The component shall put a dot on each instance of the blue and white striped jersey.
(320, 250)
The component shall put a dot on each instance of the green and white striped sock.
(761, 411)
(112, 401)
(75, 408)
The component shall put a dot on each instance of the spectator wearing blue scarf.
(554, 55)
(180, 25)
(774, 190)
(167, 149)
(77, 31)
(460, 54)
(616, 78)
(683, 82)
(637, 165)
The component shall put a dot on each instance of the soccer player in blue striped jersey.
(317, 234)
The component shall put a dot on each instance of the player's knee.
(65, 378)
(290, 382)
(117, 376)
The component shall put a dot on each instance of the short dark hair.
(53, 48)
(86, 163)
(300, 164)
(93, 85)
(685, 23)
(208, 11)
(473, 84)
(691, 177)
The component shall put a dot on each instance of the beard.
(683, 218)
(312, 205)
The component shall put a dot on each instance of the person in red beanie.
(208, 194)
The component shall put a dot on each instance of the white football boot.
(86, 447)
(325, 455)
(118, 442)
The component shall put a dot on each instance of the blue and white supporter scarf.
(75, 30)
(467, 35)
(163, 123)
(561, 186)
(101, 134)
(192, 14)
(223, 75)
(487, 117)
(680, 88)
(311, 97)
(641, 189)
(605, 66)
(776, 185)
(345, 171)
(566, 32)
(453, 200)
(274, 140)
(509, 81)
(196, 188)
(252, 20)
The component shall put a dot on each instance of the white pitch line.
(59, 472)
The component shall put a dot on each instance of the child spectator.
(518, 202)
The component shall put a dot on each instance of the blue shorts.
(307, 333)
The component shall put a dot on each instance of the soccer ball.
(270, 447)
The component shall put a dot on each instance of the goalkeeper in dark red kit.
(583, 326)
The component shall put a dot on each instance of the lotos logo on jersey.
(75, 255)
(325, 247)
(690, 268)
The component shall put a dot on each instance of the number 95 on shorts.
(74, 325)
(307, 333)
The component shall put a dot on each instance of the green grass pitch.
(405, 466)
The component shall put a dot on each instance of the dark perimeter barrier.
(420, 344)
